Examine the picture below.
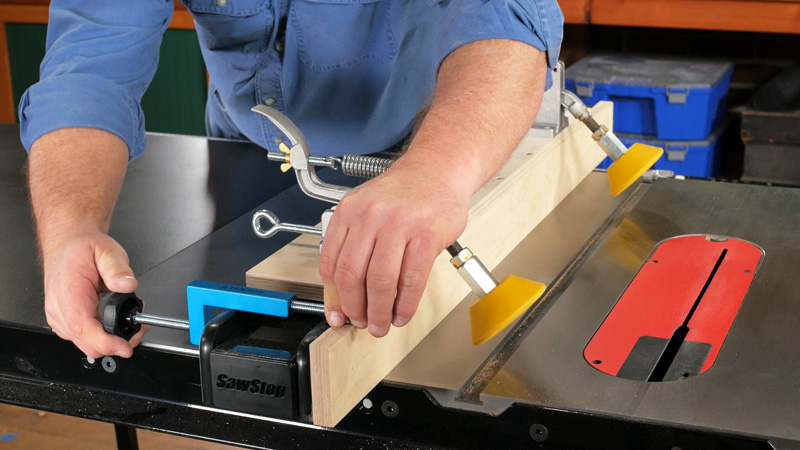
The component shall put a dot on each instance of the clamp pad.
(495, 311)
(630, 166)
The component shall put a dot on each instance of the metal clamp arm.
(578, 109)
(609, 142)
(306, 173)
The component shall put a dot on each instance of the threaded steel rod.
(307, 307)
(178, 324)
(157, 321)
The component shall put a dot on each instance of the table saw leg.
(126, 437)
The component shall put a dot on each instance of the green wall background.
(174, 102)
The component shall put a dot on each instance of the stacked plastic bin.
(675, 104)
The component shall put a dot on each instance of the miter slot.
(677, 344)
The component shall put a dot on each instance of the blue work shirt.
(352, 74)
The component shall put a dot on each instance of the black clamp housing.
(259, 364)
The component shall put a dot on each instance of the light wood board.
(346, 363)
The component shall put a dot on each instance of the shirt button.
(280, 46)
(277, 140)
(270, 101)
(221, 2)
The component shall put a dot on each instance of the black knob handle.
(117, 311)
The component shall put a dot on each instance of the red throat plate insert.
(671, 321)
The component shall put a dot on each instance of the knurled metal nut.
(462, 257)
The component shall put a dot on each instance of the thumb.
(113, 267)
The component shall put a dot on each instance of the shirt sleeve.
(101, 56)
(535, 22)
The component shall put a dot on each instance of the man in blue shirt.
(352, 74)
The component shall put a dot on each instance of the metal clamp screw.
(277, 225)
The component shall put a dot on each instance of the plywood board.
(347, 363)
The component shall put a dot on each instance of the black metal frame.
(161, 391)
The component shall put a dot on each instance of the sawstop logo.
(253, 386)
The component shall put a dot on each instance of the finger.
(94, 342)
(87, 350)
(113, 267)
(94, 336)
(351, 273)
(382, 276)
(331, 247)
(58, 328)
(65, 317)
(136, 339)
(333, 306)
(79, 314)
(417, 264)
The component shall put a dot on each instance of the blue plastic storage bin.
(692, 158)
(671, 99)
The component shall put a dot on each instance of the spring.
(364, 166)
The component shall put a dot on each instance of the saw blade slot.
(679, 337)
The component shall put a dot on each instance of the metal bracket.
(657, 174)
(551, 118)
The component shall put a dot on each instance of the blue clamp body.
(203, 296)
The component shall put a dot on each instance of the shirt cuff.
(81, 100)
(538, 23)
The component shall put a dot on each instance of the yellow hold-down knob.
(631, 165)
(501, 306)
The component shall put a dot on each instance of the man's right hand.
(75, 175)
(76, 274)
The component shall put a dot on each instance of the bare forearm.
(487, 96)
(75, 178)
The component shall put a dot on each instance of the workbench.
(184, 214)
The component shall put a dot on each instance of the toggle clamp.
(499, 304)
(254, 357)
(122, 313)
(629, 163)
